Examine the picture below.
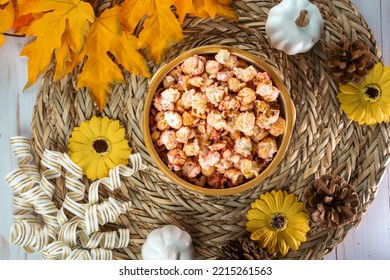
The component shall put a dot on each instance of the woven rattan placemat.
(324, 140)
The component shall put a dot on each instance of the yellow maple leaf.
(6, 18)
(62, 19)
(161, 28)
(100, 73)
(205, 8)
(23, 19)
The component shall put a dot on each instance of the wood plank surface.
(371, 240)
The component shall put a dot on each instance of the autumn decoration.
(98, 145)
(349, 61)
(243, 248)
(331, 201)
(6, 18)
(72, 32)
(277, 221)
(294, 26)
(368, 102)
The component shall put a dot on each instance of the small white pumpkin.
(168, 243)
(294, 26)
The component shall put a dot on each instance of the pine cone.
(349, 61)
(331, 201)
(245, 249)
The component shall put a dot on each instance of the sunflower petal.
(102, 170)
(105, 122)
(118, 136)
(112, 128)
(91, 170)
(282, 246)
(76, 146)
(290, 240)
(94, 124)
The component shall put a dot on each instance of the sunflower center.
(101, 147)
(278, 221)
(372, 93)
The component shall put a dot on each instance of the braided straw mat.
(323, 141)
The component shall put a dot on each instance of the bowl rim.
(288, 106)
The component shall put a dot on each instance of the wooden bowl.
(287, 111)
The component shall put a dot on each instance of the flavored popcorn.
(215, 120)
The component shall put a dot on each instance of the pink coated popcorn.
(266, 148)
(262, 78)
(246, 74)
(278, 127)
(217, 181)
(168, 81)
(261, 106)
(223, 165)
(156, 135)
(243, 146)
(191, 148)
(235, 84)
(162, 105)
(189, 119)
(196, 81)
(229, 105)
(215, 94)
(168, 138)
(249, 168)
(214, 120)
(175, 73)
(162, 123)
(222, 56)
(213, 67)
(193, 65)
(182, 82)
(176, 159)
(223, 76)
(267, 91)
(266, 119)
(245, 122)
(173, 119)
(191, 169)
(232, 62)
(247, 96)
(235, 176)
(187, 97)
(218, 146)
(170, 95)
(259, 134)
(184, 134)
(199, 103)
(208, 171)
(209, 159)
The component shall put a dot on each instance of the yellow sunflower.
(98, 145)
(368, 102)
(278, 222)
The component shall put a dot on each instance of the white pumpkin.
(168, 243)
(294, 26)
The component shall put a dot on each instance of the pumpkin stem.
(303, 19)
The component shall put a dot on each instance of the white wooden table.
(371, 240)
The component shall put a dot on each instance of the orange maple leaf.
(100, 73)
(23, 19)
(64, 24)
(161, 28)
(205, 8)
(6, 18)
